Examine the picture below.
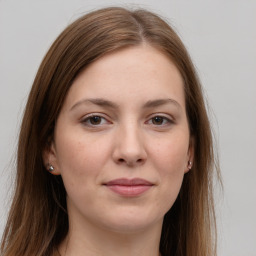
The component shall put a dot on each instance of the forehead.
(139, 73)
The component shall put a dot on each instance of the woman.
(115, 154)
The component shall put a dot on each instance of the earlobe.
(50, 160)
(190, 163)
(190, 155)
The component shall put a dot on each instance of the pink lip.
(129, 187)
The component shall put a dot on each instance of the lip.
(129, 187)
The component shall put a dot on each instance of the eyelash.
(166, 120)
(87, 121)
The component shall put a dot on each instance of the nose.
(129, 146)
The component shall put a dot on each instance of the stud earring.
(50, 168)
(189, 165)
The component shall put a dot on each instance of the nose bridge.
(130, 144)
(131, 139)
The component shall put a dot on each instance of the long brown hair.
(38, 220)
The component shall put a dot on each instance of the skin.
(133, 136)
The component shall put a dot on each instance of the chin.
(132, 222)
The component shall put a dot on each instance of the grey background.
(221, 38)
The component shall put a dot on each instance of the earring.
(189, 165)
(50, 168)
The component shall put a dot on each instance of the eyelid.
(167, 117)
(88, 116)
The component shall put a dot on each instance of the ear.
(50, 159)
(190, 155)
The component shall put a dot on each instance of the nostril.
(130, 162)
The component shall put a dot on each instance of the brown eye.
(95, 120)
(158, 120)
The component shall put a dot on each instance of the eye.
(94, 120)
(159, 120)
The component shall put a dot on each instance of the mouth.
(129, 187)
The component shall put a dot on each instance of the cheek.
(171, 171)
(77, 151)
(171, 154)
(170, 159)
(80, 159)
(79, 167)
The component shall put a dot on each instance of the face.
(122, 141)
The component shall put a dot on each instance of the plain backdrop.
(221, 38)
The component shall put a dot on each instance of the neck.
(94, 241)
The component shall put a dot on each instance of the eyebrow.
(106, 103)
(160, 102)
(96, 101)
